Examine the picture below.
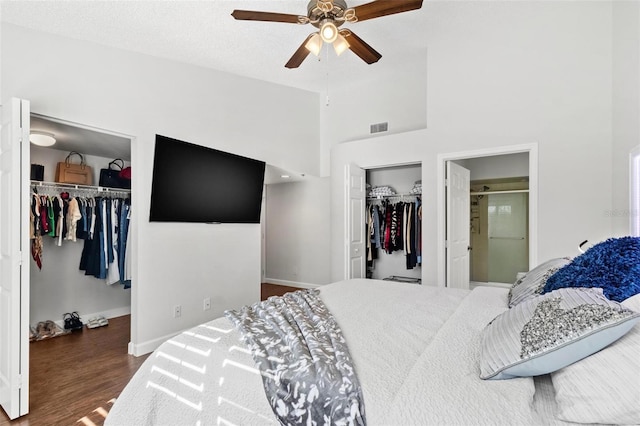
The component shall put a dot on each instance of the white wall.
(297, 233)
(60, 286)
(400, 99)
(498, 166)
(502, 74)
(140, 95)
(626, 106)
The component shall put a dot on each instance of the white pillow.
(605, 387)
(548, 332)
(532, 283)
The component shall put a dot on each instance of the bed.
(417, 350)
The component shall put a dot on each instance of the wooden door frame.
(532, 150)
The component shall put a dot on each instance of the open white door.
(354, 227)
(457, 238)
(14, 258)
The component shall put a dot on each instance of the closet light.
(42, 138)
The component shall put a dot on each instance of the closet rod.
(75, 186)
(511, 191)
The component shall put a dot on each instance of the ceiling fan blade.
(360, 47)
(299, 55)
(252, 15)
(379, 8)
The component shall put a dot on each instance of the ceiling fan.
(327, 16)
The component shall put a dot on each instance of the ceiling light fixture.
(314, 44)
(340, 45)
(41, 138)
(329, 34)
(328, 31)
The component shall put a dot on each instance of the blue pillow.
(612, 265)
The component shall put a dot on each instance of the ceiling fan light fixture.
(328, 31)
(41, 138)
(340, 45)
(314, 44)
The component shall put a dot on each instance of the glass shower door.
(508, 236)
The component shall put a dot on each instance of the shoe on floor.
(93, 323)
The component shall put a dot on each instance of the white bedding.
(415, 349)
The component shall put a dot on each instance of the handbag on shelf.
(37, 172)
(111, 177)
(68, 172)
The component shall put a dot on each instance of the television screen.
(193, 183)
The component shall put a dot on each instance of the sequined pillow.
(534, 281)
(548, 332)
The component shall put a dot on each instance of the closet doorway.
(394, 195)
(502, 220)
(58, 285)
(60, 279)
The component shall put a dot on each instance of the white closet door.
(458, 213)
(14, 258)
(355, 214)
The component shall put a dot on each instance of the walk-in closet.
(394, 223)
(80, 273)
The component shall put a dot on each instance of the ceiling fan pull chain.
(327, 67)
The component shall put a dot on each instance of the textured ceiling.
(203, 33)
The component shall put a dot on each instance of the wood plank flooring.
(74, 378)
(268, 290)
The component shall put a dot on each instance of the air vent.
(379, 127)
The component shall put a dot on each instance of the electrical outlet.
(177, 311)
(206, 303)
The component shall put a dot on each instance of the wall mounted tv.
(193, 183)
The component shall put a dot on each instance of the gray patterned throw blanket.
(306, 367)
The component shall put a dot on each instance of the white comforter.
(415, 349)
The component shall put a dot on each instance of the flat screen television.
(193, 183)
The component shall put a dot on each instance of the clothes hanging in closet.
(102, 223)
(395, 227)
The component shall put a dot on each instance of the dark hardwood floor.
(75, 378)
(268, 290)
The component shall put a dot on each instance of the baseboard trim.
(111, 313)
(150, 345)
(291, 283)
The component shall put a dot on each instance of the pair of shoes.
(96, 322)
(42, 330)
(72, 321)
(46, 329)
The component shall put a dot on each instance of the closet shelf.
(73, 186)
(380, 197)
